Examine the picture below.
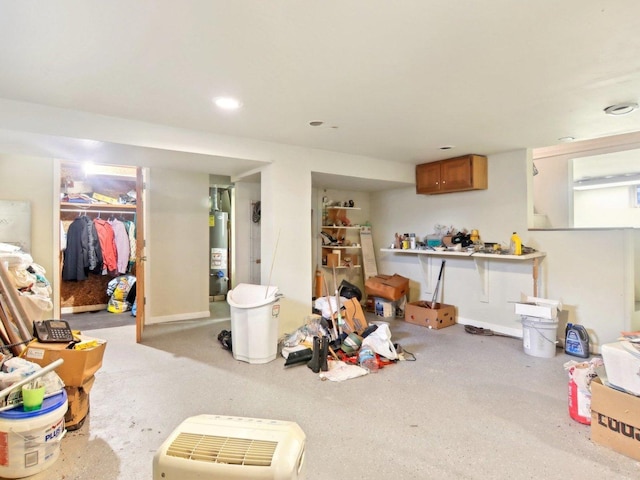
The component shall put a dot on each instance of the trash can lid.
(246, 295)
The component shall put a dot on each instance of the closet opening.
(100, 245)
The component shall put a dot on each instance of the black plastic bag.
(349, 290)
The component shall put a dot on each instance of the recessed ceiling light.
(227, 103)
(566, 139)
(316, 123)
(621, 108)
(446, 147)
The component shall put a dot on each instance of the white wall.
(551, 191)
(606, 207)
(244, 194)
(584, 269)
(178, 245)
(286, 194)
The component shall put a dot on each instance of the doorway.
(101, 236)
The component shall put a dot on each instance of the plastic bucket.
(254, 322)
(30, 441)
(539, 336)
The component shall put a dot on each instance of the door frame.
(141, 264)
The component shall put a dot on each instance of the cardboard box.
(105, 198)
(615, 419)
(79, 365)
(622, 363)
(538, 307)
(389, 287)
(421, 313)
(78, 398)
(333, 260)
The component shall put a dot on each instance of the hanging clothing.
(76, 255)
(94, 253)
(122, 244)
(108, 246)
(131, 230)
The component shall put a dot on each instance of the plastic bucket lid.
(48, 405)
(246, 295)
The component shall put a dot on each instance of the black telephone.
(52, 331)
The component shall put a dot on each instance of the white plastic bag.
(380, 342)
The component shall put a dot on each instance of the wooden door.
(140, 254)
(428, 177)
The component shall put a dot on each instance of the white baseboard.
(204, 315)
(513, 332)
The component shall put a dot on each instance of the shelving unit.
(336, 225)
(482, 261)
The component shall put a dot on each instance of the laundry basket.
(254, 322)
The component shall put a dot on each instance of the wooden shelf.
(342, 268)
(343, 208)
(344, 247)
(336, 227)
(66, 206)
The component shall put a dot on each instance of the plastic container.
(539, 336)
(32, 398)
(254, 322)
(516, 244)
(576, 341)
(367, 359)
(31, 440)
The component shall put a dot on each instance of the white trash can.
(254, 322)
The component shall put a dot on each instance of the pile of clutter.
(605, 393)
(337, 342)
(29, 279)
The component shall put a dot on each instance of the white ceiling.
(397, 79)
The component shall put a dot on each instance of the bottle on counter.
(516, 244)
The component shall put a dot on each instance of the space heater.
(229, 448)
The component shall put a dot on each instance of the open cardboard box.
(389, 287)
(421, 313)
(79, 365)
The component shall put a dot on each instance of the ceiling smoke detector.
(621, 108)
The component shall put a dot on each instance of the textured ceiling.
(397, 80)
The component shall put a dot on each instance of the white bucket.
(539, 336)
(254, 322)
(30, 441)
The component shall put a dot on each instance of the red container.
(579, 404)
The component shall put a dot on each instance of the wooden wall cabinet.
(459, 174)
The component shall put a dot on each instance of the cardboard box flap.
(538, 307)
(540, 302)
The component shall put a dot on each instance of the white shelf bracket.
(427, 268)
(482, 267)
